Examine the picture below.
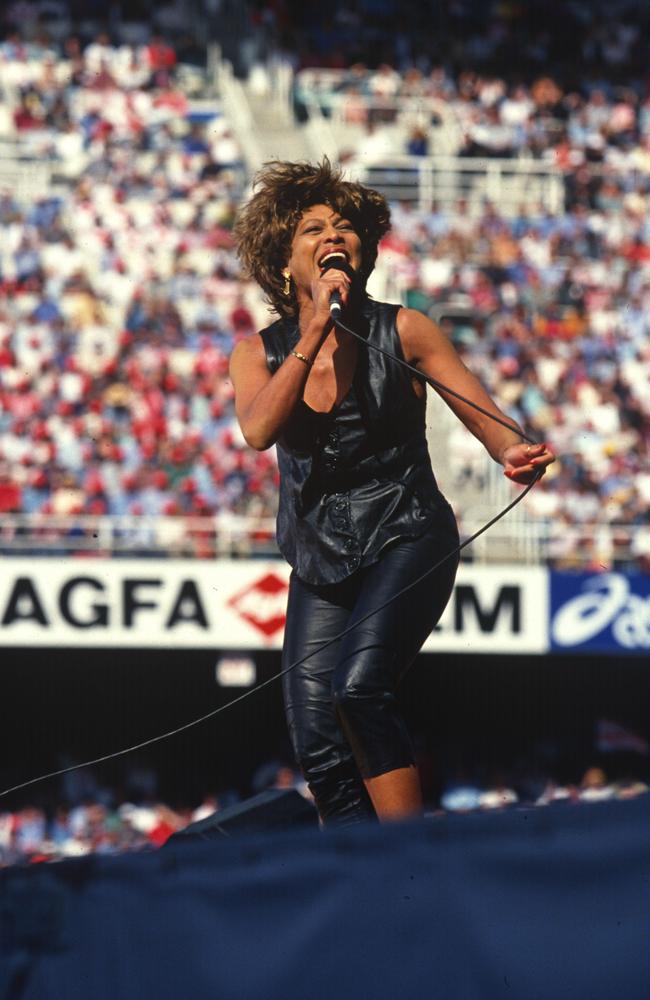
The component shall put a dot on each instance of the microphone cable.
(439, 386)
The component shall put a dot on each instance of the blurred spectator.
(594, 786)
(418, 144)
(276, 774)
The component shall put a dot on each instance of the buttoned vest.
(356, 479)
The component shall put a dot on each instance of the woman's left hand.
(521, 462)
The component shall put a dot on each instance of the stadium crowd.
(101, 823)
(576, 40)
(88, 815)
(562, 341)
(121, 296)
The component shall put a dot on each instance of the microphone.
(338, 262)
(336, 306)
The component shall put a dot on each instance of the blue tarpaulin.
(540, 904)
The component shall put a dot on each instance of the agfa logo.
(263, 604)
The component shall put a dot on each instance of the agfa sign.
(263, 604)
(236, 605)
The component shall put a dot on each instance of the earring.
(287, 283)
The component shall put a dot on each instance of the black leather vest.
(356, 479)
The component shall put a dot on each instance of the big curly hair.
(266, 224)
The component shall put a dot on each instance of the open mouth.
(330, 258)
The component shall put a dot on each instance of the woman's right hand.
(321, 293)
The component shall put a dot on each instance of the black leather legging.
(340, 705)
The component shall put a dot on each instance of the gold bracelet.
(301, 357)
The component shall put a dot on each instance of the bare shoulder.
(419, 335)
(409, 319)
(248, 354)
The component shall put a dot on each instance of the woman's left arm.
(426, 347)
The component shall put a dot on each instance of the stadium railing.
(528, 542)
(427, 181)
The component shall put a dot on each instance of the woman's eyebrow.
(312, 220)
(319, 219)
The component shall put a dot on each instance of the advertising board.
(235, 604)
(600, 612)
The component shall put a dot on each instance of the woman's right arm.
(264, 402)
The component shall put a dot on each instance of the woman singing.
(360, 514)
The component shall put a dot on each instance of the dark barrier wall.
(492, 712)
(549, 904)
